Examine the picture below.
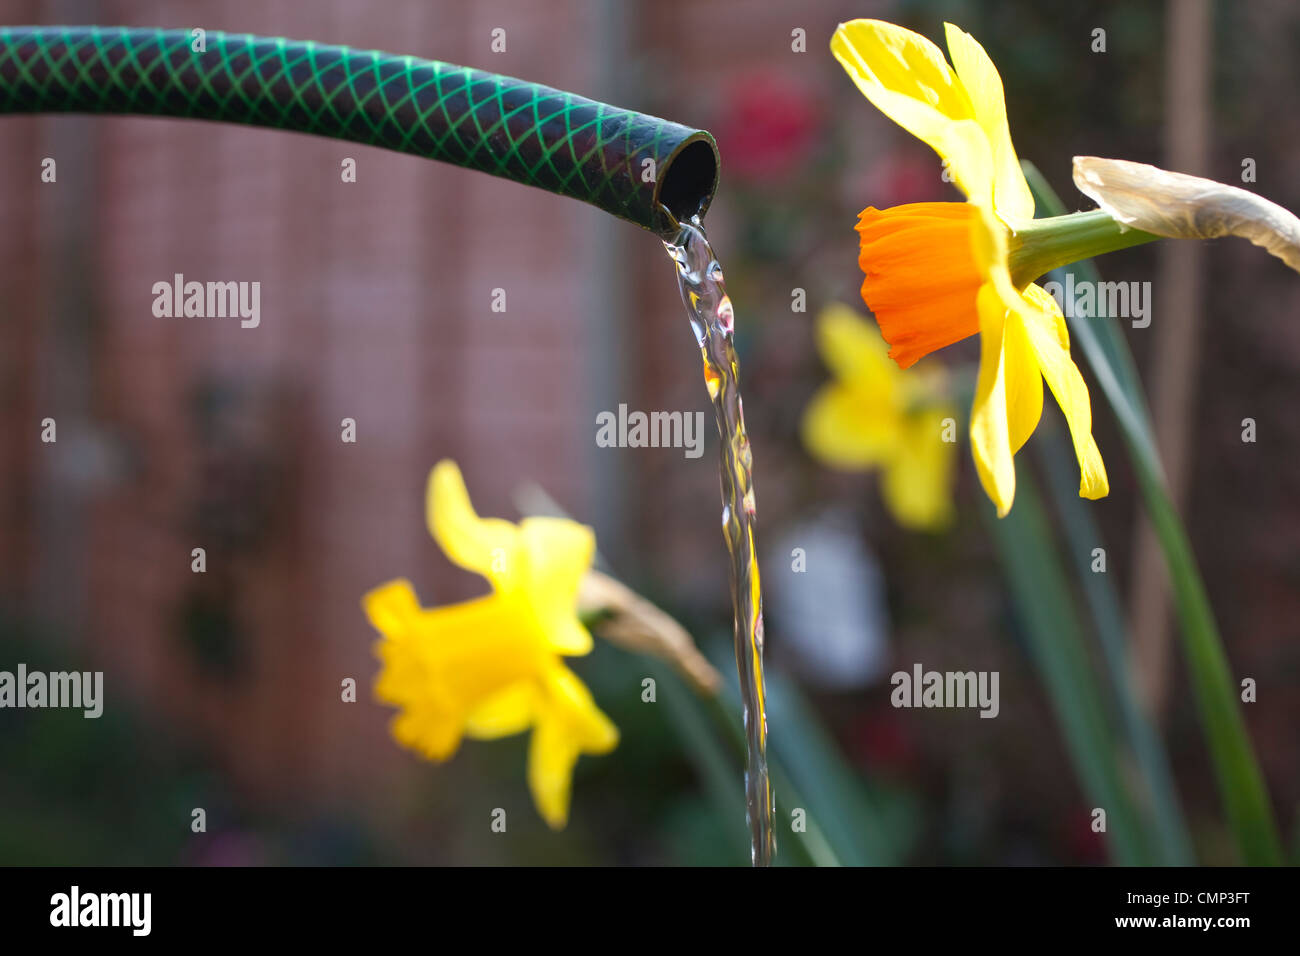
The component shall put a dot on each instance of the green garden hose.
(629, 164)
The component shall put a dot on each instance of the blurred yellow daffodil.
(940, 272)
(873, 415)
(491, 667)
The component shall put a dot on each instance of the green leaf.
(1051, 619)
(1161, 806)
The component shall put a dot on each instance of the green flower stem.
(1237, 773)
(1041, 245)
(1241, 783)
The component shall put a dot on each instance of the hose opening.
(687, 180)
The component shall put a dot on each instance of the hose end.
(686, 181)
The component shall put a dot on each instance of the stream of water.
(700, 279)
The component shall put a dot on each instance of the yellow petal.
(905, 76)
(1024, 382)
(570, 698)
(853, 423)
(483, 545)
(846, 429)
(440, 665)
(476, 648)
(432, 734)
(392, 607)
(510, 711)
(1011, 195)
(917, 484)
(551, 758)
(556, 553)
(1043, 319)
(426, 723)
(854, 351)
(990, 438)
(568, 724)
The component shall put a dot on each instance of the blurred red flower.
(768, 127)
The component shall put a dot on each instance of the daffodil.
(873, 415)
(937, 273)
(492, 667)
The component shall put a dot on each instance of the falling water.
(700, 278)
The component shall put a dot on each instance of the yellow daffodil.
(940, 272)
(491, 667)
(875, 416)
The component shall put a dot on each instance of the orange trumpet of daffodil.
(491, 667)
(939, 272)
